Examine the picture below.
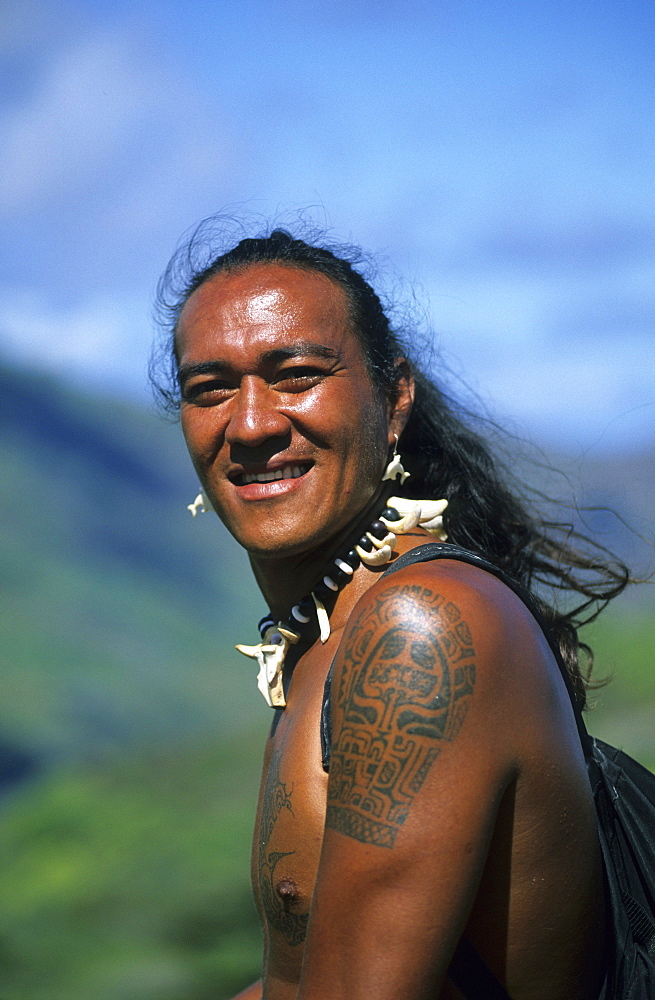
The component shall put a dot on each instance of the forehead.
(263, 302)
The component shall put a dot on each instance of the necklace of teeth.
(375, 548)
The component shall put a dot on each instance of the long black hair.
(490, 512)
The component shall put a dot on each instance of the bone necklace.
(374, 548)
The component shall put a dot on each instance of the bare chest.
(289, 830)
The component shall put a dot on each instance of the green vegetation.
(130, 879)
(131, 734)
(623, 710)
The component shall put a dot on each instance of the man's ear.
(400, 399)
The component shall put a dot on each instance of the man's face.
(285, 429)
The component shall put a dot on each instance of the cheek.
(200, 433)
(367, 439)
(189, 430)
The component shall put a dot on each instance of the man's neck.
(285, 579)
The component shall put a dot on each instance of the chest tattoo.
(277, 906)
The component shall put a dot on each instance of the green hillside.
(131, 731)
(120, 610)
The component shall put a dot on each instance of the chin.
(283, 544)
(263, 549)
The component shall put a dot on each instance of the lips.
(290, 471)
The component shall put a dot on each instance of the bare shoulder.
(459, 611)
(413, 628)
(439, 643)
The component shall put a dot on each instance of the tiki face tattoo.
(405, 687)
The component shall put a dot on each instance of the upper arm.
(401, 693)
(418, 770)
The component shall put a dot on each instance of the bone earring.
(200, 505)
(394, 469)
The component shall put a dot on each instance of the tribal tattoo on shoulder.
(407, 680)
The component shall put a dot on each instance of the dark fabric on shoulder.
(624, 795)
(326, 722)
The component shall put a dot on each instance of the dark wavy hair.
(490, 512)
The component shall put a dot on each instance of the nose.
(254, 416)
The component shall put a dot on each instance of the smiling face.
(286, 431)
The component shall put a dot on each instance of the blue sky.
(498, 157)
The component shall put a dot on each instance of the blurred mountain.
(614, 501)
(119, 611)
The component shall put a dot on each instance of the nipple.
(288, 892)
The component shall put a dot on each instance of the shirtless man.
(455, 803)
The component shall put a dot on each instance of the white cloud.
(103, 110)
(89, 98)
(25, 24)
(578, 395)
(569, 360)
(96, 341)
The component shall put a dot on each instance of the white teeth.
(288, 472)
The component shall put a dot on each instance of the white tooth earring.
(394, 469)
(200, 505)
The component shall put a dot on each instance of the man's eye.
(298, 379)
(205, 393)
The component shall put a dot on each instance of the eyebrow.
(274, 356)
